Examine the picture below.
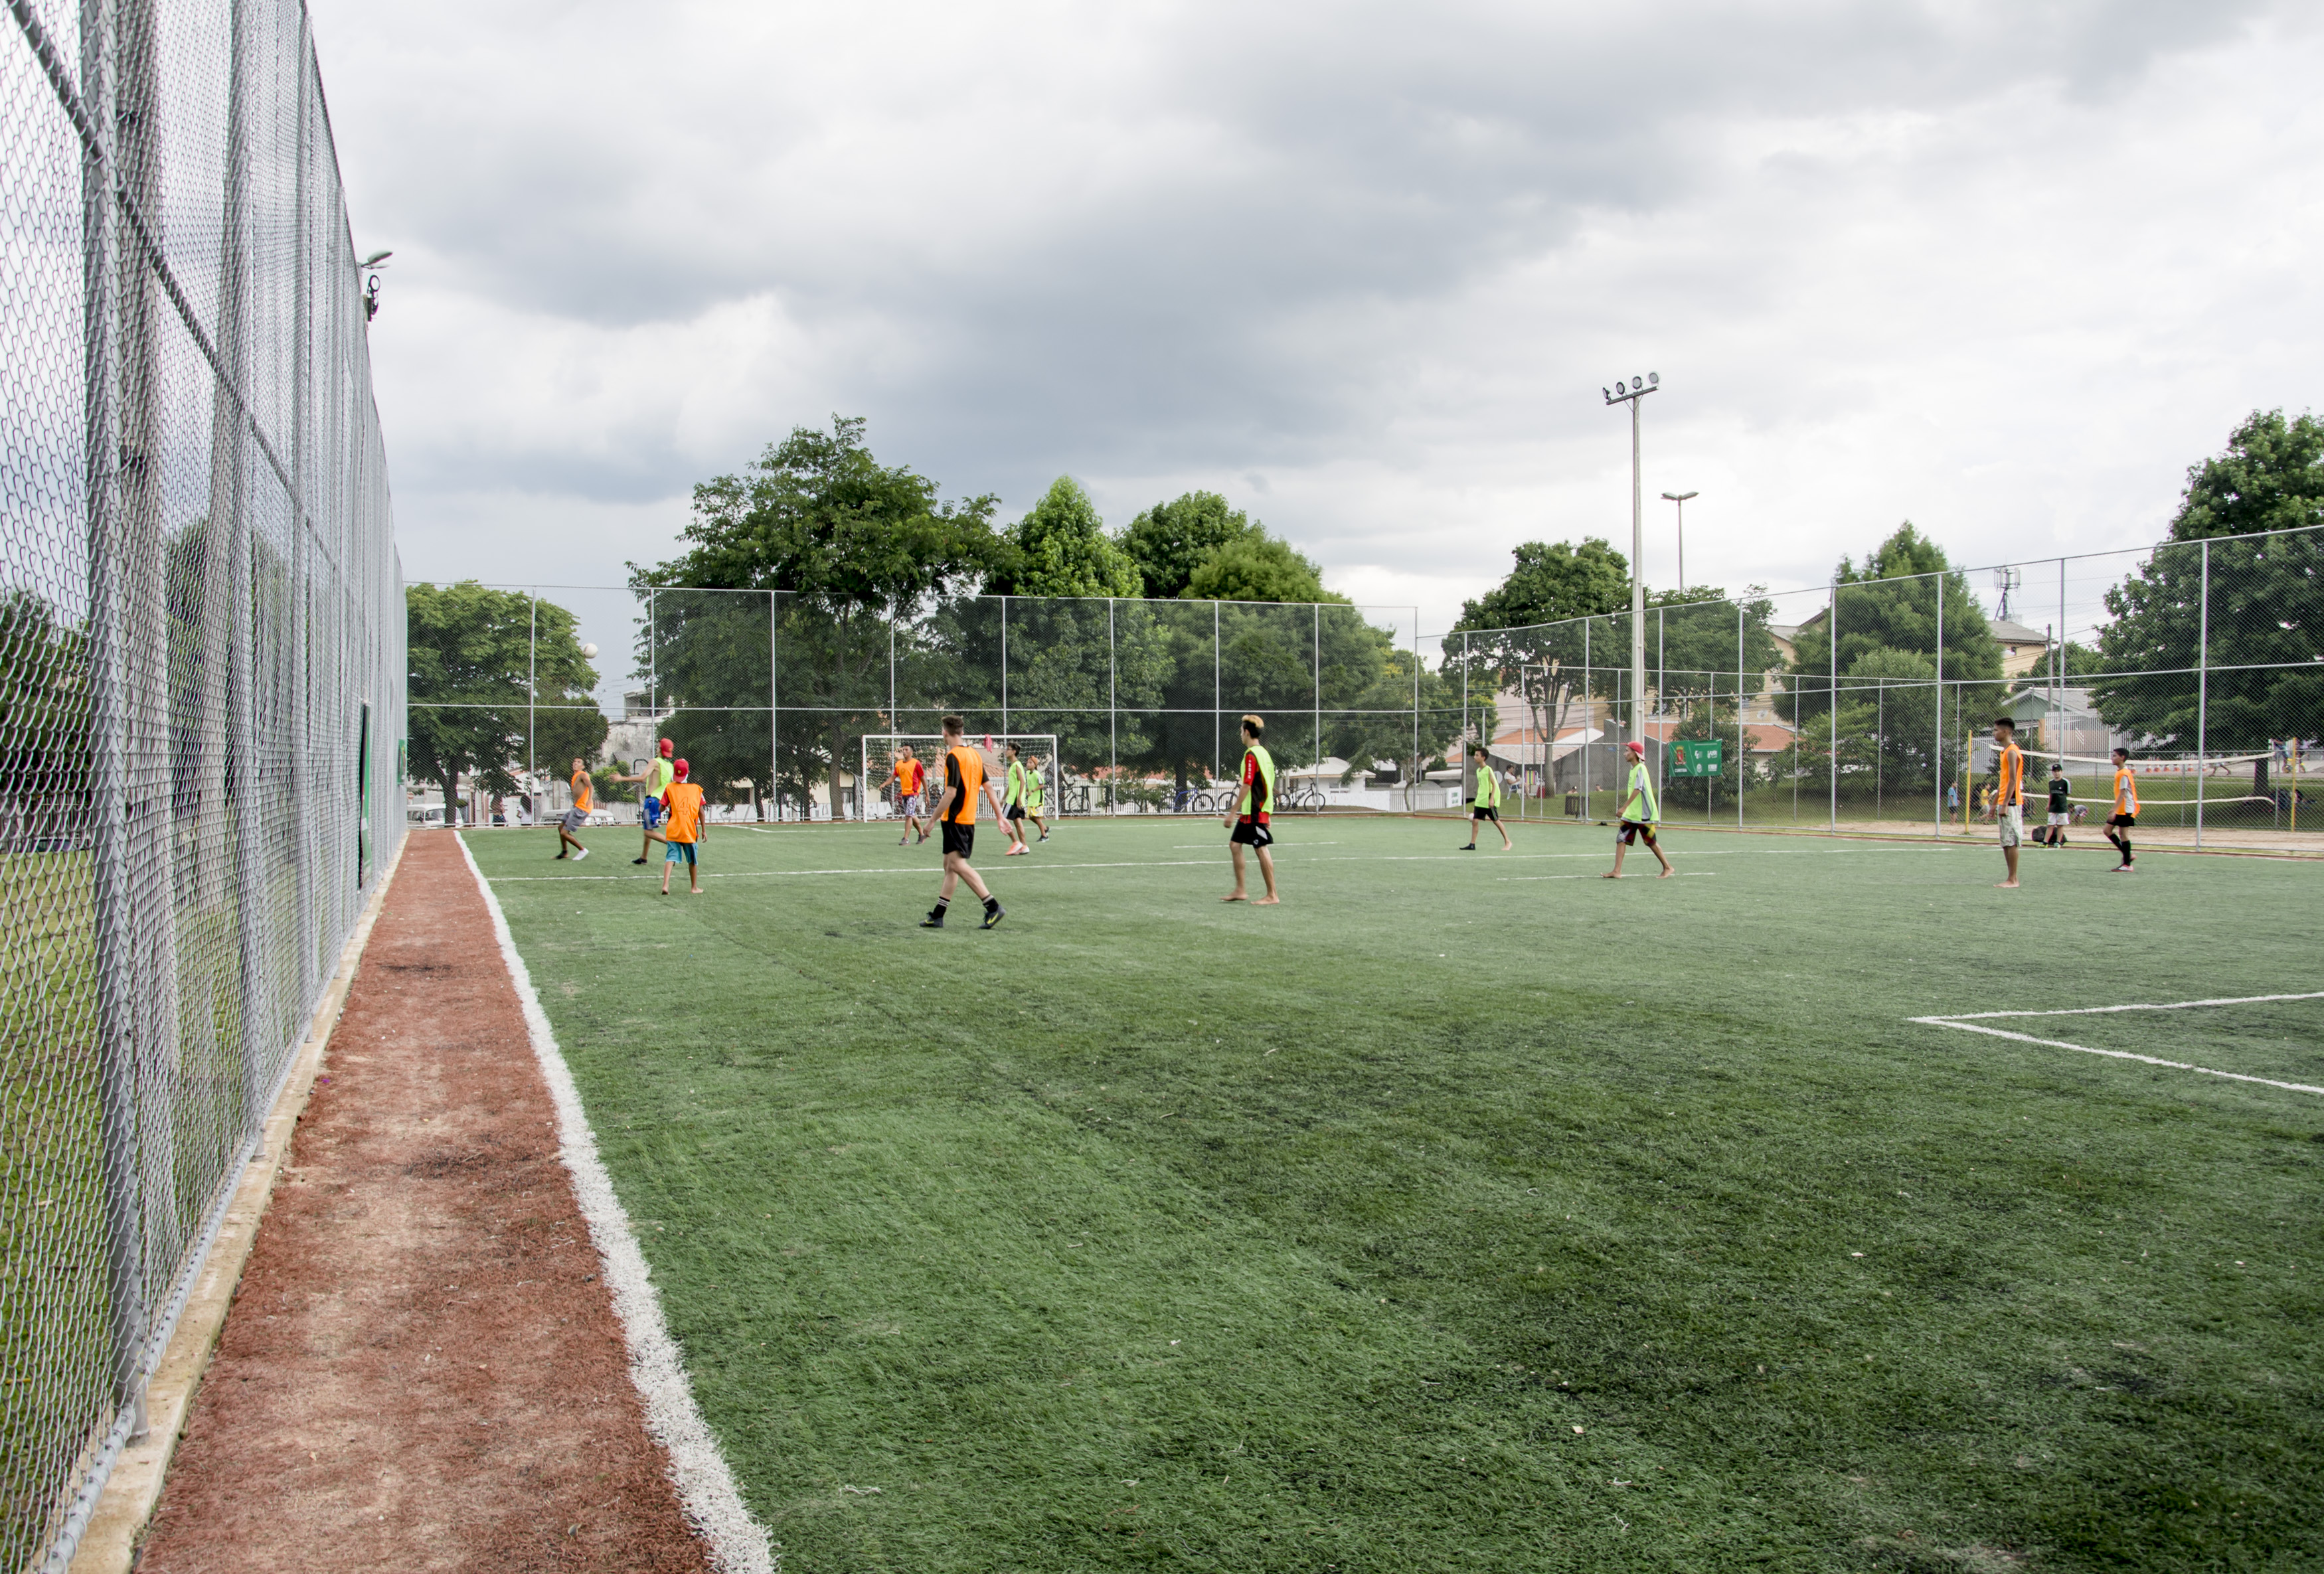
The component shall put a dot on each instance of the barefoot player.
(568, 829)
(2009, 800)
(956, 817)
(1037, 794)
(1639, 814)
(682, 804)
(910, 778)
(652, 782)
(1013, 817)
(1486, 805)
(1254, 805)
(2125, 808)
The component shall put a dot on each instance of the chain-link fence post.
(2202, 687)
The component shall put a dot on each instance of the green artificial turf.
(1466, 1211)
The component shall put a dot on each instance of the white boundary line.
(1970, 1022)
(705, 1485)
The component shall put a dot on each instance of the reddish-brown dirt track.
(421, 1370)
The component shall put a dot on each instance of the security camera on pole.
(1630, 393)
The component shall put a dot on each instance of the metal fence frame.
(204, 596)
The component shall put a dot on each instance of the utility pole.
(1680, 498)
(1630, 393)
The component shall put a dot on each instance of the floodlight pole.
(1630, 393)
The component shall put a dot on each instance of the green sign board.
(1693, 757)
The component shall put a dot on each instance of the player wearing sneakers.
(1639, 814)
(910, 778)
(2009, 798)
(2062, 806)
(1013, 814)
(1488, 802)
(568, 830)
(2125, 808)
(956, 818)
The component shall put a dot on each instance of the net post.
(774, 704)
(1832, 685)
(1742, 738)
(1937, 760)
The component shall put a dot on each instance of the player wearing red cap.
(682, 804)
(1639, 814)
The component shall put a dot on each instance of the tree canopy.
(2265, 634)
(847, 544)
(1170, 540)
(496, 676)
(1890, 601)
(1062, 548)
(1258, 568)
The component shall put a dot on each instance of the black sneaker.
(992, 915)
(1468, 847)
(561, 855)
(933, 920)
(637, 861)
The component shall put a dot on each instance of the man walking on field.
(1013, 819)
(1036, 792)
(1488, 802)
(956, 818)
(2009, 798)
(568, 830)
(910, 778)
(681, 802)
(1639, 814)
(2125, 808)
(1253, 809)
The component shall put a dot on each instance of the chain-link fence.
(201, 675)
(768, 695)
(1869, 703)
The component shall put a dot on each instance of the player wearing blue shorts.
(653, 781)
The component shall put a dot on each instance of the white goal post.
(1036, 751)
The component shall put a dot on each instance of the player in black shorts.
(956, 818)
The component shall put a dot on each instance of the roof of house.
(2010, 633)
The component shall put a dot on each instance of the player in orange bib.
(2125, 808)
(2009, 802)
(956, 818)
(568, 829)
(910, 778)
(681, 802)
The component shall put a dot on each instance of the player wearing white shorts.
(2009, 799)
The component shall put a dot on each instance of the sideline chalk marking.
(1972, 1022)
(705, 1485)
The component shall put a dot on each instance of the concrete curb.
(109, 1546)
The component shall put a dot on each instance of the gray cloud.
(1382, 257)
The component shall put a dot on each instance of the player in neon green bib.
(1014, 804)
(1037, 794)
(1488, 802)
(1639, 814)
(1254, 808)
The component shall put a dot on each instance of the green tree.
(850, 545)
(1170, 540)
(1539, 617)
(1062, 548)
(2265, 635)
(476, 658)
(1258, 568)
(1890, 601)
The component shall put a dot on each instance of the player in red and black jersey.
(1254, 806)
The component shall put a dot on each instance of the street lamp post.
(1680, 498)
(1630, 393)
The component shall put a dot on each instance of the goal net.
(1037, 752)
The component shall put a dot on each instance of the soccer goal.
(1037, 752)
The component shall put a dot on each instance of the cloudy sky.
(2003, 269)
